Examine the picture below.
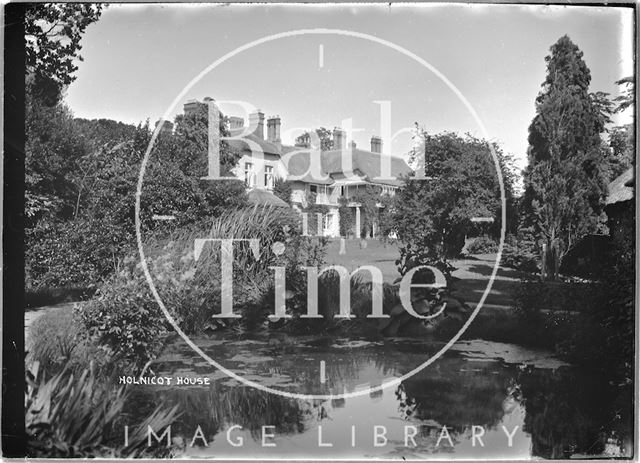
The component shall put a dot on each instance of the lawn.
(375, 253)
(473, 273)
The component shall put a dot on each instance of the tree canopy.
(322, 136)
(433, 215)
(52, 45)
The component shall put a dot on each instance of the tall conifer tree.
(564, 181)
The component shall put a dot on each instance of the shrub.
(85, 245)
(124, 319)
(558, 315)
(282, 189)
(77, 253)
(482, 245)
(520, 254)
(68, 417)
(58, 341)
(193, 288)
(49, 296)
(347, 219)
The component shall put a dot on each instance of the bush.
(482, 245)
(79, 253)
(49, 296)
(84, 245)
(520, 254)
(81, 418)
(282, 189)
(125, 318)
(559, 316)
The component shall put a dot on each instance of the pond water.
(518, 403)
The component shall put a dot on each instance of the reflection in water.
(512, 410)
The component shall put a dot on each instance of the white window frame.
(268, 177)
(249, 175)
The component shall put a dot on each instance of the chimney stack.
(273, 129)
(191, 106)
(304, 141)
(235, 123)
(376, 144)
(167, 126)
(256, 120)
(339, 139)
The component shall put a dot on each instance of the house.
(263, 159)
(585, 258)
(620, 207)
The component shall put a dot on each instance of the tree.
(627, 98)
(322, 137)
(53, 147)
(53, 143)
(372, 204)
(52, 45)
(87, 243)
(433, 215)
(622, 137)
(282, 189)
(565, 180)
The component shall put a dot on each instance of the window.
(249, 177)
(268, 177)
(327, 220)
(313, 188)
(342, 191)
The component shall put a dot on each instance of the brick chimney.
(376, 144)
(167, 126)
(304, 141)
(236, 123)
(339, 139)
(273, 129)
(191, 106)
(256, 120)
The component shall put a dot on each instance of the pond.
(479, 400)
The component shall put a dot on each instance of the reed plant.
(71, 415)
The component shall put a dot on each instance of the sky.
(140, 59)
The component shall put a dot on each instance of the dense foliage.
(126, 319)
(81, 193)
(375, 210)
(319, 139)
(81, 416)
(482, 245)
(433, 215)
(565, 180)
(282, 189)
(52, 45)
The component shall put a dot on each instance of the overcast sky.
(137, 60)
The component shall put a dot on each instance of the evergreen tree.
(564, 181)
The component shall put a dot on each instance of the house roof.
(621, 189)
(363, 163)
(367, 163)
(263, 197)
(266, 146)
